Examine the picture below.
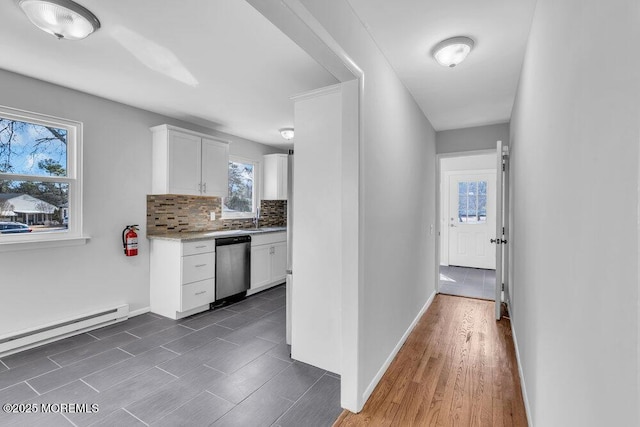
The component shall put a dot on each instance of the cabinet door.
(260, 266)
(215, 168)
(282, 177)
(270, 177)
(184, 163)
(279, 261)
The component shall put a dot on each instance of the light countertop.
(205, 235)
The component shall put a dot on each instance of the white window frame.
(73, 235)
(256, 189)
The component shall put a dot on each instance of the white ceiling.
(480, 90)
(216, 63)
(221, 64)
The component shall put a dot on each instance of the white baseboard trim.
(367, 393)
(523, 387)
(139, 311)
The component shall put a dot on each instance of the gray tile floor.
(468, 282)
(227, 367)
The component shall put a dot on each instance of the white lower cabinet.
(268, 261)
(183, 273)
(182, 277)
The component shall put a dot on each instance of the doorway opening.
(467, 211)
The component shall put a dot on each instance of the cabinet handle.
(200, 247)
(199, 265)
(205, 187)
(201, 292)
(200, 187)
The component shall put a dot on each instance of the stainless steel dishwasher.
(233, 266)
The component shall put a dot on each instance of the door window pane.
(472, 202)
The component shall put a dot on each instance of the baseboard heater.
(29, 338)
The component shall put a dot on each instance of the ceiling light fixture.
(287, 133)
(451, 52)
(63, 19)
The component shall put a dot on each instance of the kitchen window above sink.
(242, 199)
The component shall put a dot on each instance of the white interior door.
(499, 240)
(472, 219)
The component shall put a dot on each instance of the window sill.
(238, 216)
(43, 244)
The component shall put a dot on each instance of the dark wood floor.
(457, 367)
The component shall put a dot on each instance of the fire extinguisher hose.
(124, 243)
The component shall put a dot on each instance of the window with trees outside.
(40, 186)
(241, 201)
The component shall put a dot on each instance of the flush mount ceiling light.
(287, 133)
(453, 51)
(63, 19)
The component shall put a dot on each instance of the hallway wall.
(397, 205)
(472, 139)
(574, 145)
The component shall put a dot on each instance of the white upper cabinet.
(275, 177)
(186, 162)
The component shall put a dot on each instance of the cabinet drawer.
(196, 294)
(198, 267)
(199, 247)
(268, 238)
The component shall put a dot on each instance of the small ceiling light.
(287, 133)
(453, 51)
(63, 19)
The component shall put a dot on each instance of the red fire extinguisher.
(130, 240)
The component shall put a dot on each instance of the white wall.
(47, 285)
(471, 139)
(574, 242)
(317, 231)
(398, 200)
(463, 163)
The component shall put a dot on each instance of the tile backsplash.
(174, 213)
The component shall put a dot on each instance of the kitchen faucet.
(256, 219)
